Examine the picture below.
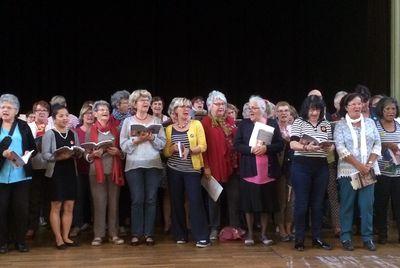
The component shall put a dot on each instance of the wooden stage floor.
(168, 254)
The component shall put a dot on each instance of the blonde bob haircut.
(139, 93)
(179, 102)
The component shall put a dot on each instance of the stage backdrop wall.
(278, 49)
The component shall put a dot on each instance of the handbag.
(359, 181)
(5, 143)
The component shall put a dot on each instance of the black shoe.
(3, 249)
(321, 244)
(72, 244)
(369, 245)
(61, 247)
(21, 247)
(299, 245)
(347, 245)
(382, 240)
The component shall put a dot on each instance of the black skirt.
(258, 197)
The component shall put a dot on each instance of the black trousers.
(39, 202)
(386, 188)
(14, 211)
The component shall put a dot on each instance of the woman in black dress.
(61, 168)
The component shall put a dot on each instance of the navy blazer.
(248, 167)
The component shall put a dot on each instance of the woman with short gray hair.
(105, 175)
(121, 108)
(221, 160)
(15, 136)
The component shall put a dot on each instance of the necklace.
(142, 119)
(183, 125)
(62, 136)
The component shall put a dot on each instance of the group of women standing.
(264, 174)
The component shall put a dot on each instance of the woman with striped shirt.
(388, 185)
(184, 147)
(310, 169)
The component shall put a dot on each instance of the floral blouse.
(344, 145)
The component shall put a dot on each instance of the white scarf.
(363, 143)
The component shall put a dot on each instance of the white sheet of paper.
(254, 134)
(212, 186)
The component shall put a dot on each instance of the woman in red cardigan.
(220, 160)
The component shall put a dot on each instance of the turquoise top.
(8, 172)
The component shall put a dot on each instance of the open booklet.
(395, 156)
(89, 146)
(136, 129)
(20, 161)
(212, 186)
(73, 150)
(262, 134)
(308, 139)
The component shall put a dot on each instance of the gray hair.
(338, 96)
(98, 103)
(270, 109)
(118, 96)
(171, 106)
(215, 95)
(260, 102)
(10, 98)
(144, 93)
(246, 110)
(58, 99)
(178, 102)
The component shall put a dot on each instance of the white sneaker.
(202, 243)
(97, 241)
(214, 234)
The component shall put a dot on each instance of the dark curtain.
(278, 49)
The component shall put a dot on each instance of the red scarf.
(117, 175)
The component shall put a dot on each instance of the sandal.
(267, 242)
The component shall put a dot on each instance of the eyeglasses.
(219, 104)
(254, 108)
(41, 110)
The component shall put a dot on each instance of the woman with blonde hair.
(185, 144)
(143, 166)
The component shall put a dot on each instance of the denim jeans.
(143, 185)
(365, 202)
(310, 180)
(178, 183)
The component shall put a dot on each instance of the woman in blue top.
(14, 181)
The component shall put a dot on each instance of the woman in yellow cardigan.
(185, 144)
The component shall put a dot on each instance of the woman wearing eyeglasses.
(14, 181)
(259, 170)
(39, 201)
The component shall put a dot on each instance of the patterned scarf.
(121, 116)
(221, 122)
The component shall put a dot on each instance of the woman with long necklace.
(62, 171)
